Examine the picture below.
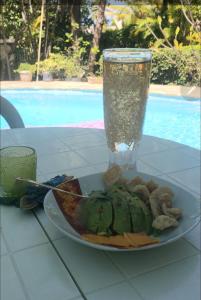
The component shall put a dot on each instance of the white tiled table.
(38, 262)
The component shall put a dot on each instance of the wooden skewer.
(50, 187)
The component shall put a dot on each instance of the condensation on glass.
(16, 161)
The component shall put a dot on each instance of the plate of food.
(118, 211)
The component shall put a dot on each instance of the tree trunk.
(40, 37)
(75, 18)
(45, 53)
(57, 14)
(97, 34)
(6, 55)
(26, 20)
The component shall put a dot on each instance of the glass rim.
(127, 55)
(132, 50)
(33, 151)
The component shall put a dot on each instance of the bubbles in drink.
(125, 94)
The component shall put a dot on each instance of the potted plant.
(46, 69)
(61, 66)
(26, 71)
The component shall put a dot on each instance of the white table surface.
(38, 262)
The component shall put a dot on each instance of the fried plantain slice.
(69, 204)
(140, 239)
(127, 240)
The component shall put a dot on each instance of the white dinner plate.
(183, 199)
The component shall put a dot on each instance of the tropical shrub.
(73, 68)
(61, 66)
(176, 66)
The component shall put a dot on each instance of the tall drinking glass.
(16, 161)
(126, 75)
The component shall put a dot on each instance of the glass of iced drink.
(16, 161)
(126, 75)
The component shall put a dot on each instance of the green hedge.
(171, 66)
(180, 67)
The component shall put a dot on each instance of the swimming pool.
(172, 118)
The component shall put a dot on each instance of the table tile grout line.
(179, 182)
(189, 242)
(102, 288)
(153, 270)
(173, 178)
(22, 284)
(113, 285)
(127, 277)
(156, 151)
(3, 239)
(102, 162)
(170, 172)
(89, 164)
(57, 152)
(175, 172)
(87, 147)
(9, 251)
(170, 149)
(121, 281)
(86, 164)
(26, 248)
(63, 171)
(163, 266)
(82, 156)
(147, 165)
(60, 257)
(75, 298)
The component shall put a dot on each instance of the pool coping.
(166, 90)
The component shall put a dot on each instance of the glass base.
(126, 160)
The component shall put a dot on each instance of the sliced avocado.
(148, 217)
(137, 215)
(97, 213)
(121, 214)
(140, 215)
(105, 217)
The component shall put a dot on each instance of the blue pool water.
(173, 118)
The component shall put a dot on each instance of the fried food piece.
(127, 240)
(141, 191)
(151, 185)
(159, 197)
(122, 181)
(173, 212)
(163, 222)
(136, 180)
(112, 175)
